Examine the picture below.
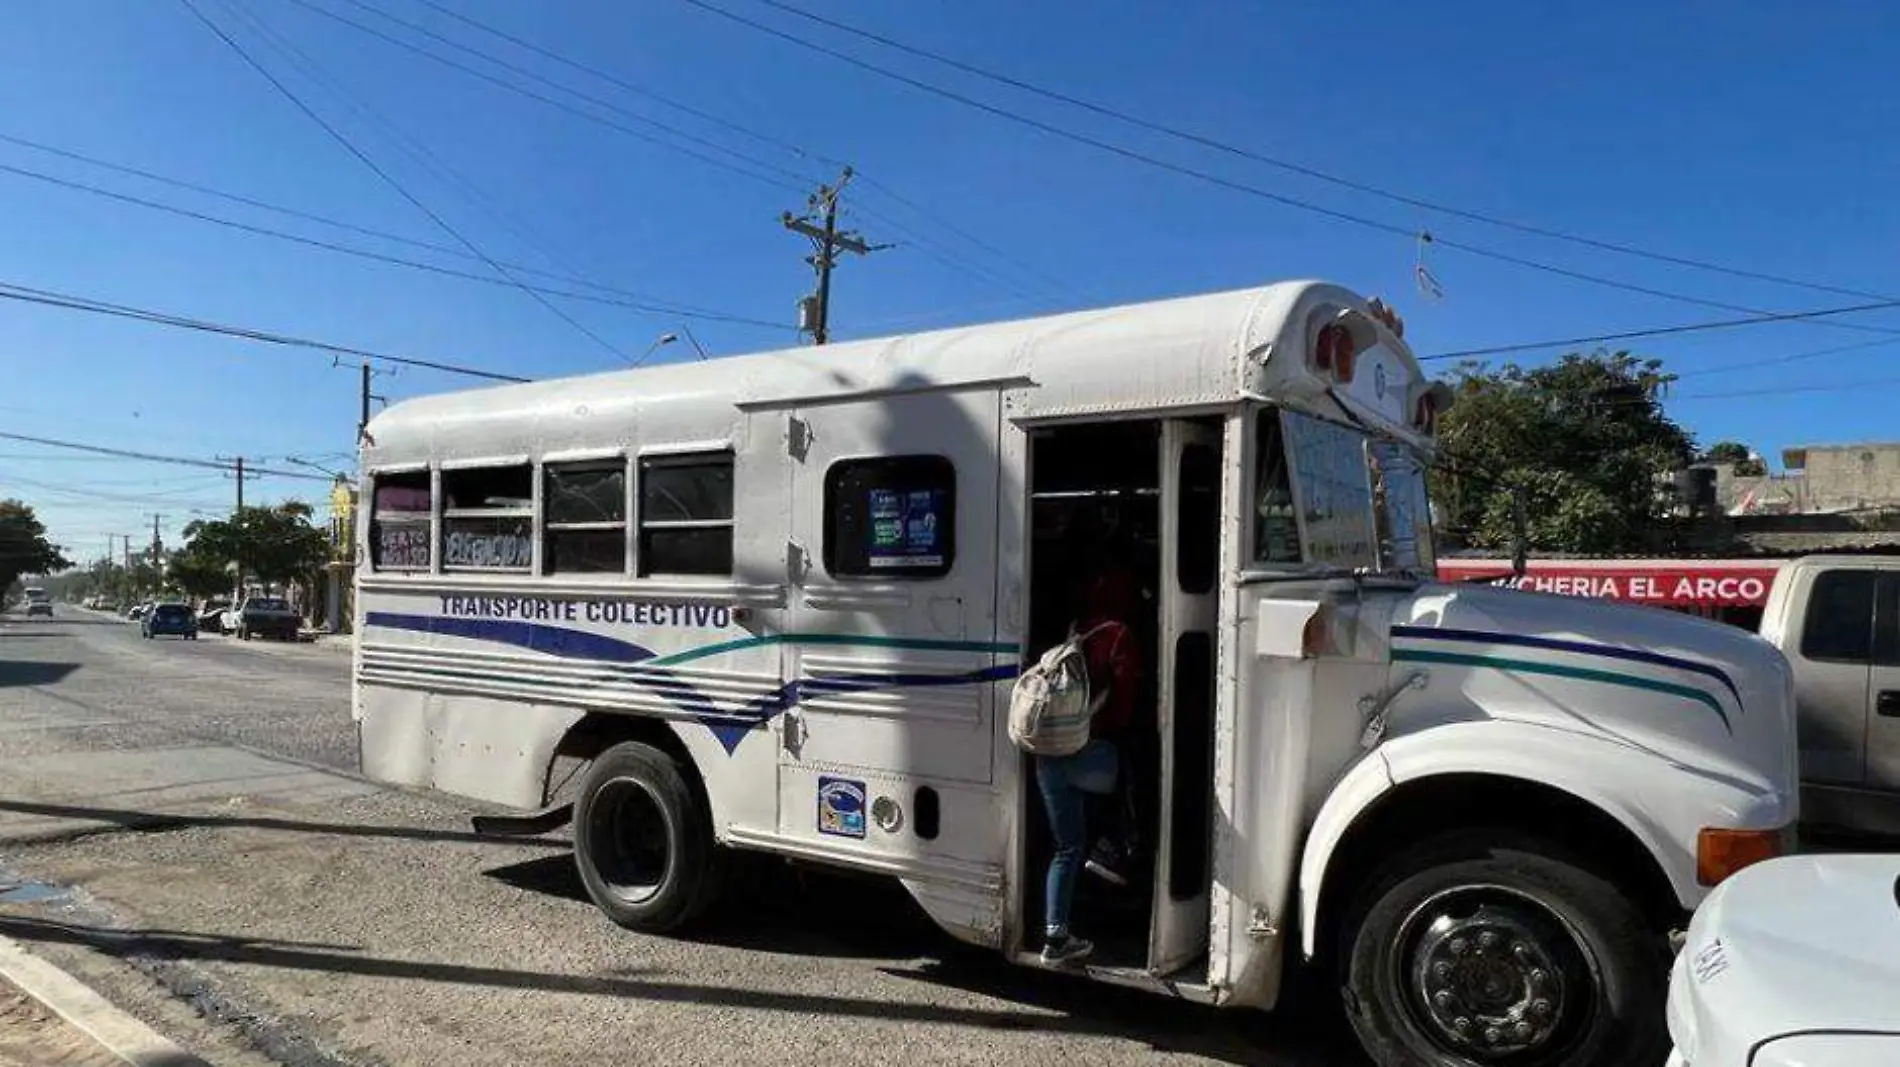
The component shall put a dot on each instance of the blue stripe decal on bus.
(577, 644)
(554, 640)
(1632, 655)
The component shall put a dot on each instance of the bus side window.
(890, 517)
(686, 522)
(1276, 529)
(584, 518)
(488, 518)
(399, 514)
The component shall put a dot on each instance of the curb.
(69, 998)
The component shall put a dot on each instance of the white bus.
(772, 604)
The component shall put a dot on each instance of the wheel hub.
(1487, 981)
(632, 852)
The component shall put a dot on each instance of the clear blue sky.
(1750, 135)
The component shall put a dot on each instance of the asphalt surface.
(186, 832)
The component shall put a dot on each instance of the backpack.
(1050, 706)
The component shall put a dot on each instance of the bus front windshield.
(1330, 495)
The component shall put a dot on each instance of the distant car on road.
(1792, 961)
(211, 615)
(39, 607)
(266, 616)
(174, 619)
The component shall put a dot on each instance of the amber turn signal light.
(1719, 853)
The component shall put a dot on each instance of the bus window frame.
(684, 456)
(628, 524)
(444, 514)
(432, 518)
(1253, 564)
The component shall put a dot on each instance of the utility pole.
(815, 311)
(364, 396)
(237, 465)
(156, 546)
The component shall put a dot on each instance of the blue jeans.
(1065, 782)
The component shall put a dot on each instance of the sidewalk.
(50, 1019)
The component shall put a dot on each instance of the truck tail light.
(1720, 852)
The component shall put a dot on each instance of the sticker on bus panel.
(905, 529)
(840, 807)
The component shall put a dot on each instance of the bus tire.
(643, 840)
(1477, 948)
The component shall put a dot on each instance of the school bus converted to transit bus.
(773, 604)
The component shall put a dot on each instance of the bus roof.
(1195, 350)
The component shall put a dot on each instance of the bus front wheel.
(1473, 949)
(643, 840)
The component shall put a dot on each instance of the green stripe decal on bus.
(914, 644)
(1585, 674)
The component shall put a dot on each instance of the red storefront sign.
(1663, 582)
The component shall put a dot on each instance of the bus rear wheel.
(643, 840)
(1478, 949)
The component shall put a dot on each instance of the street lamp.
(317, 467)
(669, 338)
(658, 342)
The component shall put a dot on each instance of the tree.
(197, 573)
(1583, 443)
(1735, 454)
(276, 545)
(24, 548)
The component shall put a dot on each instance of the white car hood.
(1788, 956)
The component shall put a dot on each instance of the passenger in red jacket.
(1115, 665)
(1107, 601)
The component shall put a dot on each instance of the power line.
(795, 180)
(1226, 183)
(941, 255)
(49, 298)
(1661, 331)
(390, 179)
(630, 301)
(1041, 278)
(428, 160)
(162, 500)
(794, 149)
(670, 307)
(793, 176)
(238, 198)
(1841, 387)
(1306, 171)
(638, 90)
(41, 457)
(1776, 361)
(152, 457)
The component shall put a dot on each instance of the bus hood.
(1797, 959)
(1706, 695)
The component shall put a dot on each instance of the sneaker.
(1106, 862)
(1057, 951)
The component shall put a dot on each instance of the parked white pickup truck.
(1837, 619)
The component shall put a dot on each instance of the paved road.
(195, 843)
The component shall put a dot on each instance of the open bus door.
(1189, 594)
